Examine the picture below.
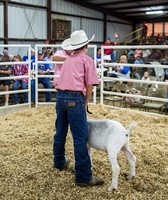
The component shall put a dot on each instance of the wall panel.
(27, 22)
(1, 20)
(93, 27)
(70, 8)
(121, 29)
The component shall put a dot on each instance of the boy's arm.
(58, 58)
(89, 89)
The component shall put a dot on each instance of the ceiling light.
(154, 12)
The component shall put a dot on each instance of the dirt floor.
(26, 160)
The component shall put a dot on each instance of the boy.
(74, 89)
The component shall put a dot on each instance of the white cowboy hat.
(77, 40)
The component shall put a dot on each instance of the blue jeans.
(46, 84)
(114, 56)
(70, 109)
(166, 105)
(23, 86)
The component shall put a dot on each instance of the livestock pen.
(26, 159)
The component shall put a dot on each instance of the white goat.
(111, 136)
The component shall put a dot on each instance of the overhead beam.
(119, 2)
(26, 4)
(140, 12)
(139, 6)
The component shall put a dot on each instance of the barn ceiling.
(130, 10)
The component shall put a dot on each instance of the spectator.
(54, 50)
(49, 58)
(123, 71)
(44, 50)
(98, 57)
(144, 31)
(25, 58)
(111, 55)
(145, 54)
(164, 61)
(137, 53)
(131, 58)
(158, 39)
(146, 78)
(19, 70)
(5, 71)
(7, 55)
(43, 69)
(137, 71)
(138, 60)
(154, 55)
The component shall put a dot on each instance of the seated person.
(122, 71)
(137, 53)
(25, 58)
(164, 61)
(5, 71)
(131, 57)
(42, 70)
(146, 77)
(98, 58)
(137, 71)
(19, 70)
(145, 54)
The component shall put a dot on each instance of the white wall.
(1, 21)
(26, 22)
(93, 27)
(70, 8)
(121, 29)
(90, 26)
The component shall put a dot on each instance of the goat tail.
(132, 126)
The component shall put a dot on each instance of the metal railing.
(131, 35)
(5, 109)
(107, 65)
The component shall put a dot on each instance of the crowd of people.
(131, 56)
(17, 70)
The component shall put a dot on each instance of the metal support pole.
(6, 22)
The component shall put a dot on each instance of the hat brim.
(67, 45)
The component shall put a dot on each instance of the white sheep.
(111, 136)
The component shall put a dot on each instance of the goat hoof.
(130, 177)
(111, 189)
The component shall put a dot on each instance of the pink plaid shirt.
(77, 72)
(57, 67)
(20, 70)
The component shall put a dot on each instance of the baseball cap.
(108, 38)
(40, 52)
